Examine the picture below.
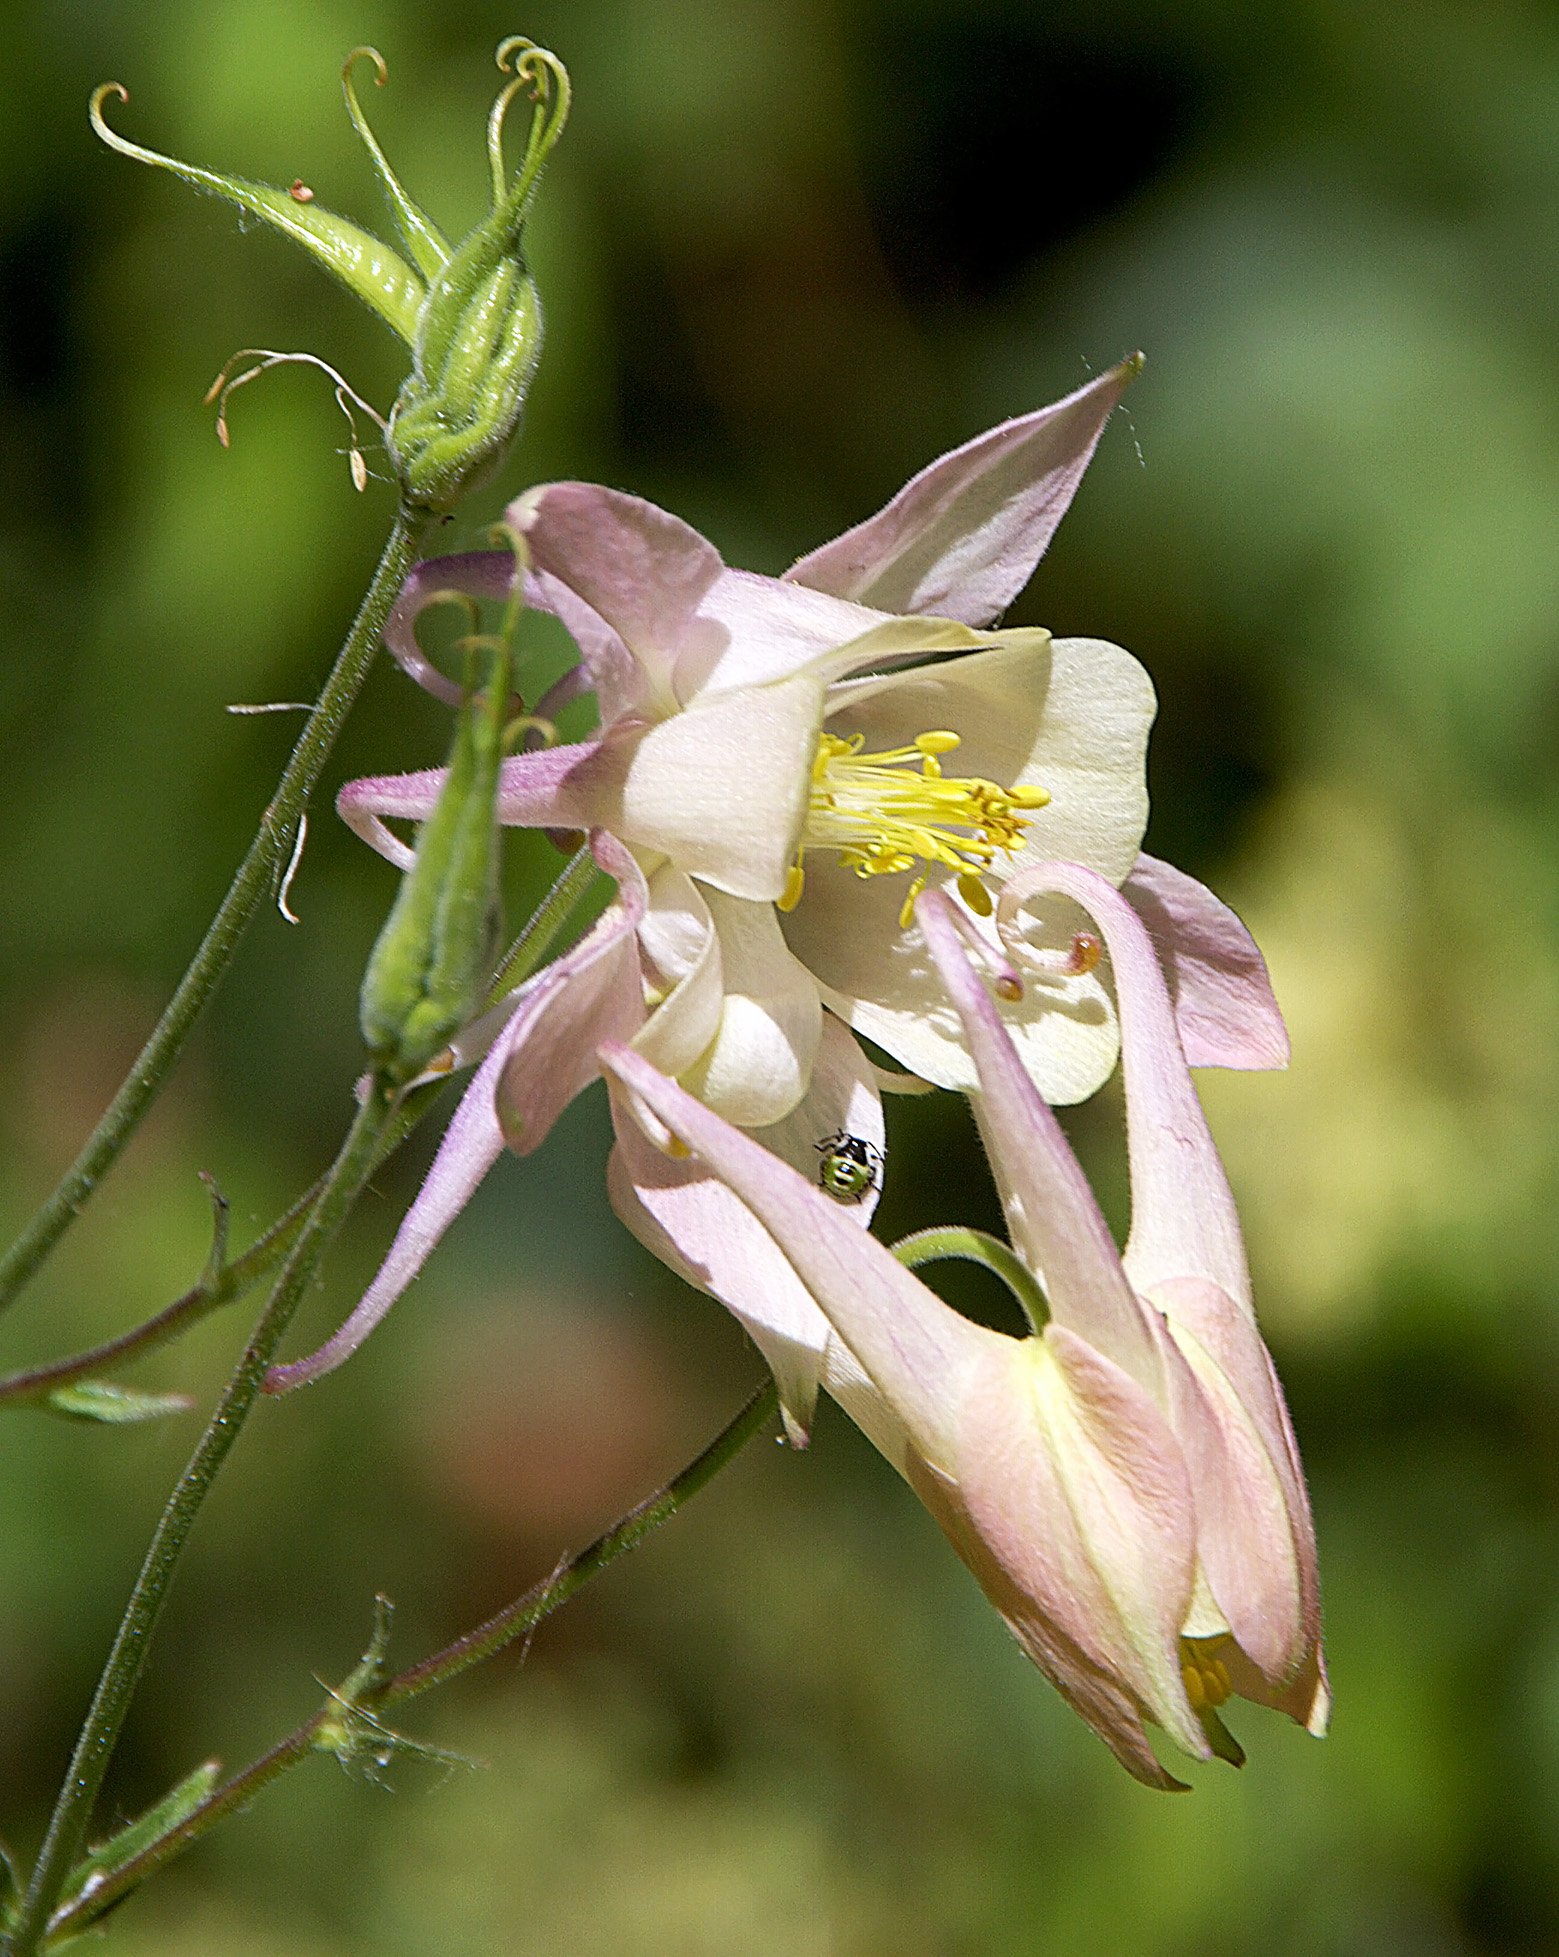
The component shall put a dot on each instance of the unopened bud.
(427, 972)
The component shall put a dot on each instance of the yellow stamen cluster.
(1207, 1683)
(895, 811)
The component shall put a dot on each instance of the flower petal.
(914, 1348)
(962, 537)
(768, 630)
(1255, 1532)
(720, 788)
(1224, 1006)
(640, 569)
(1077, 1491)
(757, 1067)
(1052, 1216)
(1183, 1219)
(694, 1223)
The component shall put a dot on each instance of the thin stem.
(256, 877)
(544, 924)
(957, 1240)
(516, 1621)
(132, 1643)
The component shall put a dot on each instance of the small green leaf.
(99, 1863)
(377, 275)
(113, 1406)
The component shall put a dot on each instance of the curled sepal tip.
(365, 266)
(422, 238)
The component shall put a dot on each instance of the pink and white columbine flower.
(1124, 1483)
(771, 785)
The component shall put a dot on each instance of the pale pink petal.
(555, 787)
(1217, 978)
(1077, 1490)
(638, 568)
(472, 1144)
(1255, 1531)
(1183, 1219)
(961, 538)
(752, 629)
(1054, 1221)
(913, 1347)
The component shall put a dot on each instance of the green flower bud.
(427, 973)
(479, 331)
(470, 315)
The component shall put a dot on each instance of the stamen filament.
(894, 811)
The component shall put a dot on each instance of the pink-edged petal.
(1217, 978)
(590, 994)
(543, 1056)
(961, 538)
(752, 631)
(1055, 1223)
(697, 1228)
(1255, 1531)
(640, 569)
(1183, 1219)
(1076, 1488)
(913, 1347)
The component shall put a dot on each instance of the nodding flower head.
(468, 312)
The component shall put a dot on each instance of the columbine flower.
(1124, 1483)
(772, 784)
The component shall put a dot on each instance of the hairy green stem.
(257, 877)
(95, 1748)
(516, 1621)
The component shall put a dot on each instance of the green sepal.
(378, 276)
(427, 973)
(424, 242)
(176, 1806)
(108, 1405)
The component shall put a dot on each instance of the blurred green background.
(790, 249)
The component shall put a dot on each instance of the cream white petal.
(721, 788)
(680, 960)
(756, 1069)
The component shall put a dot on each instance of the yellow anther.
(1206, 1676)
(1009, 988)
(795, 881)
(894, 811)
(677, 1149)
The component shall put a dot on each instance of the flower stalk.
(99, 1736)
(257, 877)
(515, 1621)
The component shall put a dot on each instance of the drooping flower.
(1124, 1483)
(779, 781)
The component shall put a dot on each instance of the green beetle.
(850, 1167)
